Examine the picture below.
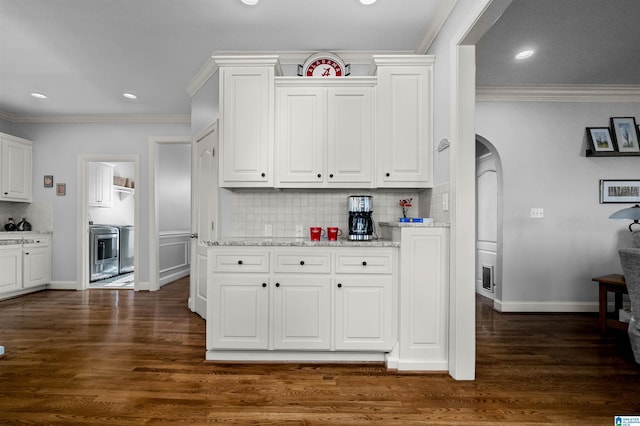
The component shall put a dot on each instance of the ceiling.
(85, 54)
(576, 42)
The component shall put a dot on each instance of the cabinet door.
(100, 185)
(365, 318)
(16, 171)
(36, 266)
(404, 127)
(350, 136)
(238, 312)
(301, 113)
(10, 269)
(424, 293)
(246, 126)
(301, 312)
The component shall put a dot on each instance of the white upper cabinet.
(325, 132)
(15, 173)
(247, 120)
(100, 185)
(404, 121)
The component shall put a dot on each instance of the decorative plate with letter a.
(323, 65)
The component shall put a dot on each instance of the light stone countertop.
(299, 242)
(415, 224)
(21, 234)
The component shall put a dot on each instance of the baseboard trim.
(548, 307)
(174, 276)
(62, 285)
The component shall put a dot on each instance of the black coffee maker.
(360, 217)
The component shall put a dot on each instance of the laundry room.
(111, 213)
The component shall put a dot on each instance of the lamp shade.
(630, 213)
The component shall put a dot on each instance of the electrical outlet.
(268, 230)
(445, 202)
(536, 213)
(298, 231)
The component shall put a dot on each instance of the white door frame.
(154, 230)
(82, 209)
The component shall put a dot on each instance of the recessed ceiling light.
(39, 95)
(250, 2)
(367, 2)
(524, 54)
(130, 96)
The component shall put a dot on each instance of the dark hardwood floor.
(123, 357)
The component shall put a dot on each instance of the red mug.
(333, 232)
(316, 232)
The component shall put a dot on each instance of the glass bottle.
(10, 226)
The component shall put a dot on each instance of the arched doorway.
(488, 220)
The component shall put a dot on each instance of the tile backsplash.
(252, 210)
(39, 215)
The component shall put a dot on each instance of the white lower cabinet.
(298, 299)
(423, 342)
(10, 268)
(301, 312)
(36, 261)
(238, 312)
(24, 266)
(365, 314)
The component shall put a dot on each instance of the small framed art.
(626, 134)
(61, 189)
(600, 139)
(619, 191)
(48, 181)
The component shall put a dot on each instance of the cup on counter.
(316, 232)
(333, 232)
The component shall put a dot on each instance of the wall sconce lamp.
(630, 213)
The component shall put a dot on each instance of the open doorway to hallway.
(488, 220)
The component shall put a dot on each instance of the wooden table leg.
(602, 313)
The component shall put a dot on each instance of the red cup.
(333, 232)
(316, 232)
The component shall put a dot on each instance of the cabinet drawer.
(36, 242)
(366, 263)
(302, 262)
(241, 262)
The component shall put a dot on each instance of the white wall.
(55, 152)
(548, 263)
(174, 188)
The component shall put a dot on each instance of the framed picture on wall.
(626, 134)
(600, 139)
(619, 191)
(61, 189)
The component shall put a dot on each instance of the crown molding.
(284, 58)
(442, 14)
(100, 118)
(559, 93)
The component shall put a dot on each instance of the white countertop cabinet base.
(293, 304)
(25, 264)
(424, 298)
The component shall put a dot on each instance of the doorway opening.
(108, 208)
(488, 220)
(169, 210)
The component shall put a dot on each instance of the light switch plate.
(537, 213)
(298, 231)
